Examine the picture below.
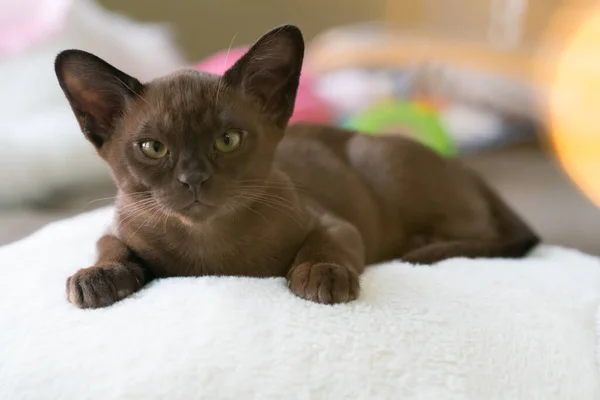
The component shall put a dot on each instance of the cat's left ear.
(270, 72)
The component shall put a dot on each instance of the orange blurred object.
(573, 72)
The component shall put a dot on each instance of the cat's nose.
(193, 180)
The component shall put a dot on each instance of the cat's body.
(380, 185)
(399, 194)
(212, 182)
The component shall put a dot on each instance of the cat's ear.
(96, 90)
(270, 71)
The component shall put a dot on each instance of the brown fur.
(312, 203)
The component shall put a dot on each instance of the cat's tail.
(515, 238)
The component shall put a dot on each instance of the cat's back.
(317, 158)
(329, 157)
(312, 142)
(386, 184)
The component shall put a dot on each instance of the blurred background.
(508, 86)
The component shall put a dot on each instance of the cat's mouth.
(193, 212)
(198, 206)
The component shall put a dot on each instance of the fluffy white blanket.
(464, 329)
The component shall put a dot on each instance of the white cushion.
(463, 329)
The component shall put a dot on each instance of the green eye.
(228, 142)
(153, 149)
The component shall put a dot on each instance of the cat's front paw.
(324, 283)
(102, 285)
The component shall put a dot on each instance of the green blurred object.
(401, 117)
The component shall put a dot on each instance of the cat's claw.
(325, 283)
(102, 285)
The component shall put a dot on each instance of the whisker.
(273, 185)
(128, 207)
(274, 205)
(97, 200)
(135, 93)
(167, 216)
(264, 191)
(220, 84)
(134, 211)
(157, 210)
(284, 202)
(269, 196)
(250, 209)
(133, 194)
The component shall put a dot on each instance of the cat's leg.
(468, 238)
(492, 231)
(116, 274)
(328, 264)
(497, 248)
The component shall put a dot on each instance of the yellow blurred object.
(336, 49)
(572, 69)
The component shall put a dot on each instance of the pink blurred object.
(25, 22)
(309, 107)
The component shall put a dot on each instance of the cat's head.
(189, 140)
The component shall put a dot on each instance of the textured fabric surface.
(463, 329)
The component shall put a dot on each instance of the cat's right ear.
(96, 90)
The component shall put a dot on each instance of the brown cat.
(212, 181)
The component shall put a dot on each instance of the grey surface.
(527, 178)
(18, 223)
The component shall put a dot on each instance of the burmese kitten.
(212, 181)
